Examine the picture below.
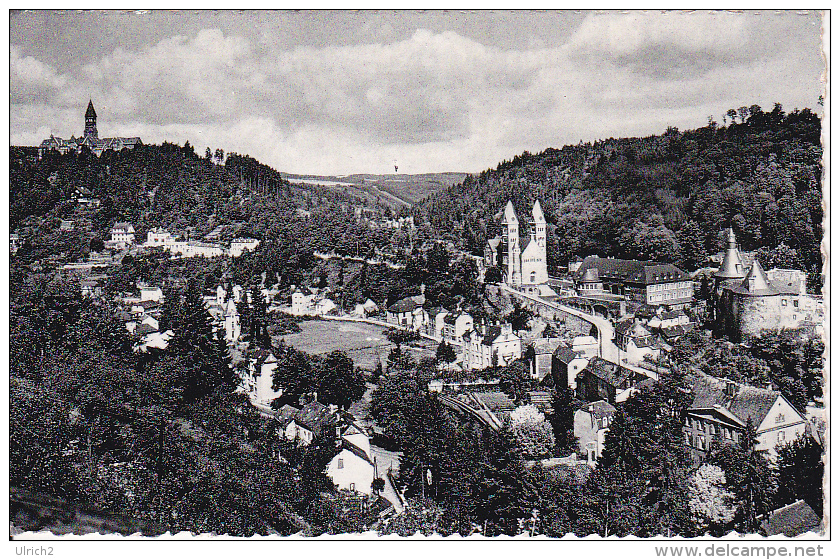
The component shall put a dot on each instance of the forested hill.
(665, 197)
(167, 186)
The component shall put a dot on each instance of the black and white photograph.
(419, 274)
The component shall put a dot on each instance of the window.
(796, 303)
(780, 418)
(781, 436)
(341, 463)
(352, 486)
(784, 302)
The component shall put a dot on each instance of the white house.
(325, 306)
(242, 244)
(232, 326)
(486, 344)
(257, 380)
(591, 424)
(454, 326)
(408, 313)
(150, 293)
(158, 237)
(353, 467)
(566, 364)
(303, 304)
(122, 236)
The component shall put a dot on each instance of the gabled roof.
(314, 416)
(544, 346)
(599, 409)
(632, 329)
(609, 372)
(356, 450)
(404, 305)
(565, 354)
(748, 402)
(791, 520)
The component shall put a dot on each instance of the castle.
(90, 139)
(747, 300)
(519, 266)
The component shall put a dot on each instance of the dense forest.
(661, 197)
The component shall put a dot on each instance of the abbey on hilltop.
(520, 266)
(90, 139)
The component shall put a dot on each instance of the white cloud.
(433, 100)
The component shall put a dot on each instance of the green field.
(364, 343)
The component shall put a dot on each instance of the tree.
(337, 381)
(712, 504)
(445, 353)
(800, 472)
(563, 419)
(533, 433)
(293, 375)
(691, 245)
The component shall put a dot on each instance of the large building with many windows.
(644, 282)
(721, 409)
(90, 139)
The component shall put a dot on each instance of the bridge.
(477, 412)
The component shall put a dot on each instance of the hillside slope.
(665, 197)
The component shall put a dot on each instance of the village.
(604, 331)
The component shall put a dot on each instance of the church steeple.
(90, 121)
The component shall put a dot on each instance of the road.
(606, 348)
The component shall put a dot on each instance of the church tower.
(513, 253)
(539, 225)
(90, 121)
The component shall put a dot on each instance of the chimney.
(337, 435)
(731, 388)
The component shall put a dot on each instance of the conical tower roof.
(732, 265)
(537, 213)
(230, 308)
(91, 112)
(757, 282)
(510, 214)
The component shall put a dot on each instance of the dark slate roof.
(544, 346)
(285, 414)
(608, 371)
(629, 327)
(91, 112)
(404, 305)
(314, 416)
(262, 355)
(599, 409)
(792, 520)
(565, 354)
(756, 283)
(144, 328)
(748, 401)
(671, 314)
(492, 334)
(449, 319)
(356, 450)
(636, 272)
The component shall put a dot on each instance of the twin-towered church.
(520, 266)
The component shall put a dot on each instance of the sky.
(343, 92)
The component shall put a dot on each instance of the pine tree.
(800, 471)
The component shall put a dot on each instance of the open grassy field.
(364, 343)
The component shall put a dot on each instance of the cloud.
(434, 100)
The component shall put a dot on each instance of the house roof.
(404, 305)
(565, 354)
(748, 402)
(261, 355)
(791, 520)
(599, 409)
(314, 416)
(609, 372)
(544, 346)
(356, 450)
(630, 328)
(285, 414)
(144, 329)
(637, 272)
